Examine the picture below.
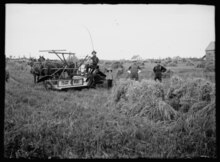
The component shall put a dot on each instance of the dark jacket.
(158, 70)
(134, 69)
(95, 60)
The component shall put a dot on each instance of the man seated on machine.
(94, 63)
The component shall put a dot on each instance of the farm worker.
(158, 70)
(95, 61)
(109, 77)
(134, 70)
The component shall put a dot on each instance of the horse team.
(42, 67)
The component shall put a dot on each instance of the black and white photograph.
(109, 81)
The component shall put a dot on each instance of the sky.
(114, 31)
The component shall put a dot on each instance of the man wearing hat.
(158, 70)
(95, 61)
(134, 69)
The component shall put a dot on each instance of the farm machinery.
(60, 79)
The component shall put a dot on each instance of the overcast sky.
(117, 31)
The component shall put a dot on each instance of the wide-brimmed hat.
(94, 52)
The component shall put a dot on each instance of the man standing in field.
(95, 61)
(134, 70)
(158, 70)
(109, 77)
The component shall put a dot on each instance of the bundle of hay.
(172, 64)
(195, 91)
(169, 73)
(213, 94)
(175, 61)
(117, 65)
(175, 91)
(176, 82)
(161, 112)
(182, 95)
(203, 119)
(209, 66)
(21, 66)
(144, 99)
(107, 63)
(189, 63)
(184, 60)
(164, 63)
(201, 65)
(167, 62)
(119, 72)
(197, 106)
(147, 100)
(199, 89)
(119, 92)
(206, 90)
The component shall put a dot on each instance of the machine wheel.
(48, 85)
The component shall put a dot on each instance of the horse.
(45, 68)
(41, 59)
(36, 70)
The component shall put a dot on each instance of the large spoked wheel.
(48, 85)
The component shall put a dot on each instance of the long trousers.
(158, 77)
(109, 83)
(134, 76)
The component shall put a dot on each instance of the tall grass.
(132, 120)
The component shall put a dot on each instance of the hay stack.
(168, 74)
(195, 91)
(172, 64)
(145, 99)
(119, 91)
(164, 63)
(209, 66)
(201, 65)
(176, 82)
(166, 111)
(183, 94)
(175, 91)
(117, 65)
(177, 87)
(160, 112)
(204, 118)
(197, 106)
(189, 63)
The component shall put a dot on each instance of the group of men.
(133, 70)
